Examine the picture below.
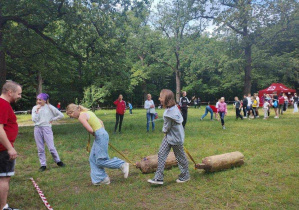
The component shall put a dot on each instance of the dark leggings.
(238, 113)
(184, 114)
(119, 118)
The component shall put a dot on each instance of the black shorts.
(7, 167)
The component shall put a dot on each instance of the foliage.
(93, 95)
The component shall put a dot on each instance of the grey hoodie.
(172, 127)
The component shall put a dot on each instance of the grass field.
(267, 180)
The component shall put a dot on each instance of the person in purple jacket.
(222, 110)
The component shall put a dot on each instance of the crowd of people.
(175, 118)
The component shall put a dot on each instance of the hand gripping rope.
(41, 195)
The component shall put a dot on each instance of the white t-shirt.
(249, 101)
(258, 101)
(266, 105)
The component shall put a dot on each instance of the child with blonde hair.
(99, 158)
(222, 110)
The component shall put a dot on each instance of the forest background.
(89, 51)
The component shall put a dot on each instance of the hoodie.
(172, 127)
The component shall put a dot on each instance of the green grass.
(267, 180)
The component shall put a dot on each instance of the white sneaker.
(182, 181)
(125, 169)
(245, 117)
(155, 181)
(105, 181)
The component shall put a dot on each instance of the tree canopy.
(102, 48)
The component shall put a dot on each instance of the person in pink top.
(222, 111)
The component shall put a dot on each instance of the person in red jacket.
(120, 111)
(280, 104)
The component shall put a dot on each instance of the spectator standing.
(245, 103)
(238, 107)
(130, 108)
(58, 106)
(11, 92)
(280, 104)
(120, 111)
(184, 104)
(295, 103)
(149, 105)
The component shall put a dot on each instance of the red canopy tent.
(276, 88)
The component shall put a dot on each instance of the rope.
(190, 156)
(41, 195)
(88, 144)
(88, 150)
(122, 154)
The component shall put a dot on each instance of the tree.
(178, 20)
(93, 95)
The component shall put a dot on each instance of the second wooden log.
(149, 164)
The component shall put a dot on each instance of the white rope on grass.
(41, 195)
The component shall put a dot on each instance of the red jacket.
(281, 100)
(120, 106)
(213, 108)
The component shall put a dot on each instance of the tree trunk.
(2, 62)
(40, 83)
(178, 84)
(248, 68)
(2, 55)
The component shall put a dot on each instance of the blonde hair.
(72, 107)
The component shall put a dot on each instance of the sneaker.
(200, 118)
(257, 116)
(105, 181)
(9, 208)
(182, 181)
(212, 120)
(223, 127)
(155, 181)
(60, 164)
(42, 168)
(125, 169)
(245, 117)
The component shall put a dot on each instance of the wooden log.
(221, 162)
(149, 164)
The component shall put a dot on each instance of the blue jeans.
(222, 114)
(208, 109)
(99, 158)
(150, 117)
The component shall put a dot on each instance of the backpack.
(275, 104)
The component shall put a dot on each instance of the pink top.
(222, 107)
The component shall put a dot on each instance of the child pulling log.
(149, 164)
(221, 162)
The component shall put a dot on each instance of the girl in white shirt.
(149, 105)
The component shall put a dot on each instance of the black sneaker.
(155, 181)
(60, 164)
(42, 168)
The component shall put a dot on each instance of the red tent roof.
(278, 88)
